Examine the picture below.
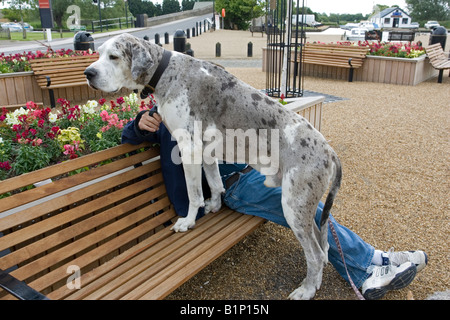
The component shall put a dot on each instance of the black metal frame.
(284, 39)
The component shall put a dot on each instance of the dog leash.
(341, 253)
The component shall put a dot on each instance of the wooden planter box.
(20, 87)
(401, 71)
(375, 69)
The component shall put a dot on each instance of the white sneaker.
(386, 278)
(419, 258)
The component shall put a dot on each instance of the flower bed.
(391, 49)
(19, 62)
(35, 137)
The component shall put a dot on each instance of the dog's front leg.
(192, 165)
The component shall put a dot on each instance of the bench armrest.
(350, 62)
(18, 288)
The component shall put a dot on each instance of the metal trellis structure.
(285, 41)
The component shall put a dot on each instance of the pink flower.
(104, 115)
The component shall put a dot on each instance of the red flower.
(120, 100)
(102, 101)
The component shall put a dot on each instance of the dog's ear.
(141, 60)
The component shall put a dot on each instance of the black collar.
(150, 87)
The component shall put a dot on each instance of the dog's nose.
(90, 73)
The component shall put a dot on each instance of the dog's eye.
(112, 57)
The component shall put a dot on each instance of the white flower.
(1, 140)
(12, 118)
(52, 117)
(90, 106)
(132, 99)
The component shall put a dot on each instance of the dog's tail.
(336, 184)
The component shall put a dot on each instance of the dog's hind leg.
(212, 174)
(299, 208)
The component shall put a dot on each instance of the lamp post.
(99, 14)
(126, 12)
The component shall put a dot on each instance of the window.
(405, 21)
(387, 20)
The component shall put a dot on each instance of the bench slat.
(78, 212)
(67, 166)
(85, 242)
(238, 231)
(54, 203)
(160, 257)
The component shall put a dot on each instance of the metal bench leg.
(52, 97)
(350, 75)
(441, 74)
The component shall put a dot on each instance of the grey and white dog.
(198, 95)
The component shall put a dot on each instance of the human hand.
(149, 123)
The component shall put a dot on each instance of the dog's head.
(125, 61)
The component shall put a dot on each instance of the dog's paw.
(183, 225)
(213, 205)
(302, 293)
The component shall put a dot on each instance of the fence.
(115, 23)
(5, 33)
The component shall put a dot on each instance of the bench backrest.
(334, 55)
(337, 50)
(62, 71)
(97, 206)
(436, 54)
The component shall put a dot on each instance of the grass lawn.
(39, 35)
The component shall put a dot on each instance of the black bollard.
(250, 49)
(166, 38)
(218, 49)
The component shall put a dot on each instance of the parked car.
(12, 26)
(432, 24)
(415, 25)
(27, 26)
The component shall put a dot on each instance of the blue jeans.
(248, 195)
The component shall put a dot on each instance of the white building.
(392, 18)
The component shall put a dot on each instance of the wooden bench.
(351, 57)
(438, 59)
(53, 73)
(101, 230)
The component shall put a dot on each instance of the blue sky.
(350, 6)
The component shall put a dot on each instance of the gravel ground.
(393, 142)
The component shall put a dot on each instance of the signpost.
(223, 17)
(45, 11)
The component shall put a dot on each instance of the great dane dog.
(197, 95)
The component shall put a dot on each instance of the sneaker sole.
(400, 281)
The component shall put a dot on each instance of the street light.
(99, 14)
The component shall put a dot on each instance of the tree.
(170, 6)
(240, 12)
(423, 10)
(187, 5)
(144, 7)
